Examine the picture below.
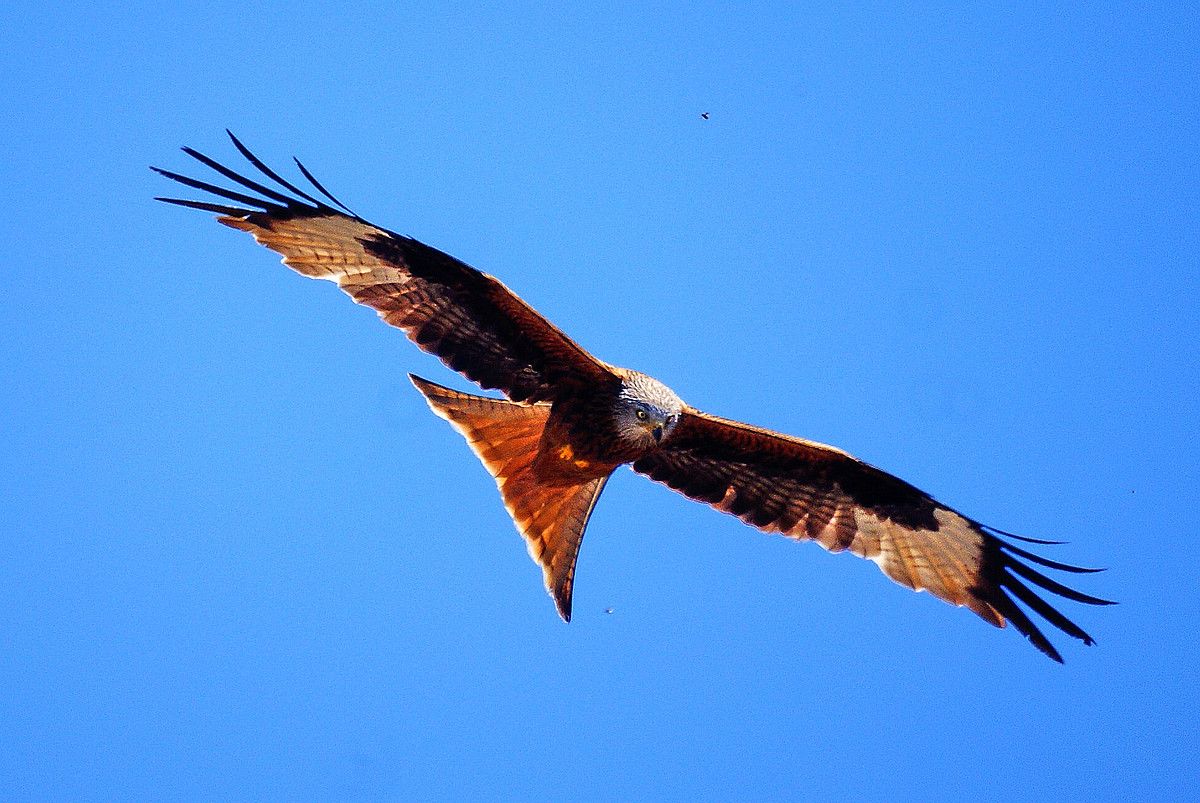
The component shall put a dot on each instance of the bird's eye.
(641, 414)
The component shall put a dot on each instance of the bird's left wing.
(469, 319)
(814, 492)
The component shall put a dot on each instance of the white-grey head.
(647, 410)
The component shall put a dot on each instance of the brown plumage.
(570, 420)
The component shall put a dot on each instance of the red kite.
(570, 419)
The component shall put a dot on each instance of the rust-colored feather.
(550, 512)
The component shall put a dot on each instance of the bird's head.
(646, 410)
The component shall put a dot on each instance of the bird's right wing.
(814, 492)
(469, 319)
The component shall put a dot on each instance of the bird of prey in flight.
(570, 419)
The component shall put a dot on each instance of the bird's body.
(570, 419)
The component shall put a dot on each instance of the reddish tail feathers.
(551, 516)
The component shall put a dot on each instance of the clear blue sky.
(240, 558)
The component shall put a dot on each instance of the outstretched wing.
(469, 319)
(813, 492)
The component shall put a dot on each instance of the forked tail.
(551, 516)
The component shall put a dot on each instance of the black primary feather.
(273, 202)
